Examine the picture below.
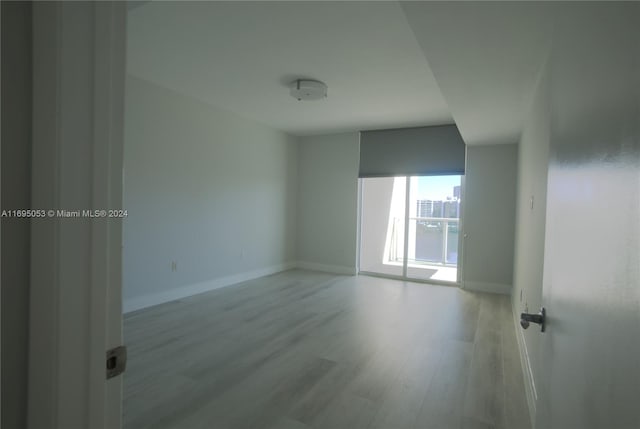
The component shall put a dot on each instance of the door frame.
(76, 263)
(459, 274)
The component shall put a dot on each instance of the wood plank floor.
(301, 349)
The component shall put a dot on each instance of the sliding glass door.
(410, 227)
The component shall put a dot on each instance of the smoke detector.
(305, 89)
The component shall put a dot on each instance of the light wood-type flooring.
(302, 349)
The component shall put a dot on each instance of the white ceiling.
(483, 61)
(486, 57)
(240, 56)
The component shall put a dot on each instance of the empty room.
(320, 215)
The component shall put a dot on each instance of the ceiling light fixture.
(306, 89)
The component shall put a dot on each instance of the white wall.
(585, 365)
(212, 191)
(383, 199)
(489, 217)
(533, 159)
(229, 199)
(327, 202)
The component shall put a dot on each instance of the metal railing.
(426, 229)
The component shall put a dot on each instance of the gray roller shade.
(437, 150)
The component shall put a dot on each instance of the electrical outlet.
(531, 202)
(174, 266)
(520, 295)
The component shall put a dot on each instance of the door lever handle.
(527, 318)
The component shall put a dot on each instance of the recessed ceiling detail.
(242, 57)
(486, 57)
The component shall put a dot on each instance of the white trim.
(0, 232)
(461, 218)
(78, 100)
(358, 223)
(110, 24)
(405, 236)
(488, 287)
(43, 349)
(150, 300)
(409, 279)
(335, 269)
(525, 365)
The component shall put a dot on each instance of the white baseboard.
(335, 269)
(525, 364)
(150, 300)
(488, 287)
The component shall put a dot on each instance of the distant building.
(434, 208)
(438, 209)
(451, 209)
(425, 208)
(456, 192)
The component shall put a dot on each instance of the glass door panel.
(434, 218)
(382, 226)
(419, 244)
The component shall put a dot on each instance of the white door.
(590, 371)
(75, 308)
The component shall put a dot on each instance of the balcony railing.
(432, 240)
